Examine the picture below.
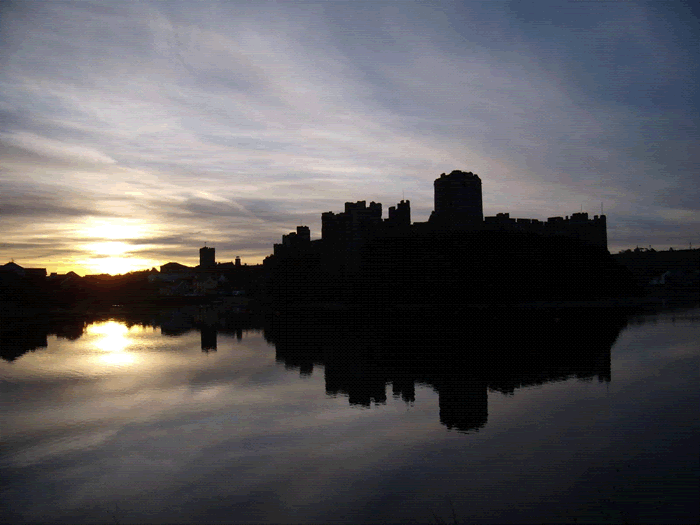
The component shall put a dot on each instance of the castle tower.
(400, 215)
(207, 257)
(303, 234)
(458, 199)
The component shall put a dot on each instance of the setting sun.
(113, 265)
(109, 248)
(114, 246)
(113, 229)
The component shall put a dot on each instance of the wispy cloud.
(240, 120)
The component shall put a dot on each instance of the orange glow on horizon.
(115, 265)
(112, 251)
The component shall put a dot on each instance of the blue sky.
(133, 132)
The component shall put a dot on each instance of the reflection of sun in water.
(113, 342)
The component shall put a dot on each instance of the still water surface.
(190, 417)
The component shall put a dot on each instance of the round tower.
(458, 199)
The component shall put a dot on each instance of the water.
(193, 416)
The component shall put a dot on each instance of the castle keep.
(458, 200)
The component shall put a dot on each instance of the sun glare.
(114, 257)
(113, 336)
(109, 248)
(114, 229)
(112, 249)
(114, 265)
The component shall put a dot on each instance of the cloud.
(43, 202)
(55, 148)
(239, 120)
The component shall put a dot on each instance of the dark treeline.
(451, 268)
(666, 273)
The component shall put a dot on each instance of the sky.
(132, 133)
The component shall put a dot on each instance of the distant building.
(173, 267)
(35, 273)
(13, 267)
(29, 273)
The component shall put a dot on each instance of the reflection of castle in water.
(461, 360)
(460, 357)
(210, 320)
(208, 338)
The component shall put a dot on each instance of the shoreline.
(262, 305)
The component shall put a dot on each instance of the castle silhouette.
(458, 207)
(457, 257)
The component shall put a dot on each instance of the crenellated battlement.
(578, 225)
